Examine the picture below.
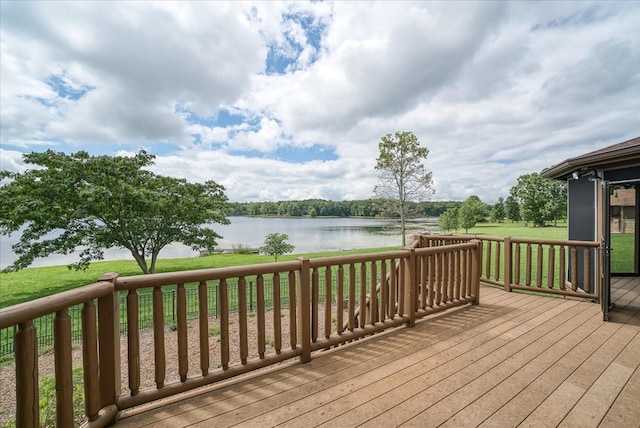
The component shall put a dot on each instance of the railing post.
(410, 287)
(508, 260)
(27, 395)
(304, 306)
(109, 344)
(476, 268)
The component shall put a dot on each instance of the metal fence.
(44, 325)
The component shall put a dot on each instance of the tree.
(402, 176)
(498, 211)
(92, 203)
(275, 245)
(448, 220)
(466, 217)
(512, 209)
(540, 199)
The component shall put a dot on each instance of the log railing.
(562, 267)
(329, 301)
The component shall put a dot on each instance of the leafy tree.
(467, 216)
(540, 199)
(512, 209)
(275, 245)
(402, 176)
(91, 203)
(498, 211)
(448, 220)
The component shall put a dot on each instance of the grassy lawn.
(622, 253)
(33, 283)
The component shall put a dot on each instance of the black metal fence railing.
(44, 325)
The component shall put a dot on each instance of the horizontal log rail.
(560, 267)
(326, 301)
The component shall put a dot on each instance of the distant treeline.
(323, 208)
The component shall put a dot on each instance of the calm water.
(306, 234)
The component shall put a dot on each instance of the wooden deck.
(514, 360)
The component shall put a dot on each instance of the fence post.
(410, 287)
(304, 306)
(250, 296)
(109, 344)
(476, 268)
(27, 393)
(507, 277)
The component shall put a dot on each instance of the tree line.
(327, 208)
(534, 199)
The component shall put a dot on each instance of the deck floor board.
(514, 360)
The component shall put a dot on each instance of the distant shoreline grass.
(32, 283)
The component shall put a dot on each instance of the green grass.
(518, 230)
(33, 283)
(622, 254)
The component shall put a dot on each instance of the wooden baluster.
(364, 313)
(314, 304)
(90, 361)
(487, 262)
(517, 264)
(587, 269)
(539, 267)
(456, 273)
(432, 278)
(445, 277)
(373, 301)
(393, 288)
(27, 394)
(223, 301)
(277, 311)
(203, 324)
(183, 340)
(422, 282)
(401, 283)
(574, 268)
(261, 317)
(551, 260)
(352, 296)
(437, 278)
(158, 337)
(562, 276)
(497, 261)
(327, 302)
(63, 368)
(384, 291)
(293, 318)
(528, 266)
(340, 300)
(242, 316)
(133, 344)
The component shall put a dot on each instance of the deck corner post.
(109, 343)
(411, 286)
(476, 268)
(304, 307)
(507, 277)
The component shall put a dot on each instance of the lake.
(306, 234)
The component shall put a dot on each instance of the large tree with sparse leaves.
(402, 175)
(90, 203)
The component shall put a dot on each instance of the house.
(603, 206)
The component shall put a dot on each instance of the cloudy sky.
(282, 101)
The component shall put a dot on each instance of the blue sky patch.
(65, 90)
(280, 59)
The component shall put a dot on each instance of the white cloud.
(493, 89)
